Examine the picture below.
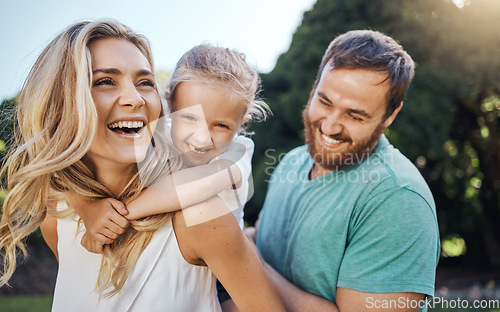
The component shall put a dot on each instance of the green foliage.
(7, 117)
(26, 304)
(449, 125)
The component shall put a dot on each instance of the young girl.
(91, 77)
(211, 96)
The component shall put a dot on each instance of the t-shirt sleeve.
(392, 245)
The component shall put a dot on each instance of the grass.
(25, 304)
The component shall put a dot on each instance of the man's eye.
(355, 117)
(324, 102)
(104, 82)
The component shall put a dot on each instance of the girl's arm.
(221, 245)
(105, 219)
(184, 188)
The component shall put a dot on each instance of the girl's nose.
(201, 135)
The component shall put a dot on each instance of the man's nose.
(332, 124)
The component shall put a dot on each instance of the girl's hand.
(103, 219)
(104, 222)
(91, 245)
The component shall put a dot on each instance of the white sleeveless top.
(162, 279)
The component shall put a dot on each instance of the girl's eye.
(187, 117)
(104, 82)
(147, 83)
(221, 125)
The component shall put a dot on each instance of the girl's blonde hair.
(221, 68)
(56, 123)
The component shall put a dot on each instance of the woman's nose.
(130, 96)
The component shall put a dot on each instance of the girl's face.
(127, 102)
(204, 121)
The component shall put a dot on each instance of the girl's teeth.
(330, 140)
(196, 150)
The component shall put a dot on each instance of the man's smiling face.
(345, 116)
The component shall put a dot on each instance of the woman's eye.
(104, 82)
(147, 83)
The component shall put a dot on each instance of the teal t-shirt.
(370, 227)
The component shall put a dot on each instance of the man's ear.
(391, 118)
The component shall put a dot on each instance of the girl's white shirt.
(240, 152)
(162, 279)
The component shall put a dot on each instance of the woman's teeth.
(330, 140)
(200, 151)
(126, 124)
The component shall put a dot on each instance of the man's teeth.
(330, 140)
(126, 124)
(200, 151)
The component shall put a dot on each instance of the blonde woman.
(91, 76)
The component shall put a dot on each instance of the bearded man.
(356, 228)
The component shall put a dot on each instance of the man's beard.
(333, 161)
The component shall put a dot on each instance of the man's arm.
(296, 299)
(356, 301)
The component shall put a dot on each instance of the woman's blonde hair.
(56, 123)
(221, 68)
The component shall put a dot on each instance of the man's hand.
(251, 232)
(104, 221)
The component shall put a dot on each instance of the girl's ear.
(246, 119)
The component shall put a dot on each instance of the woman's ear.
(167, 98)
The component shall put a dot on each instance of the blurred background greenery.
(449, 126)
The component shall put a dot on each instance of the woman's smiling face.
(127, 103)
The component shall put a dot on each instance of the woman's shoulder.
(205, 229)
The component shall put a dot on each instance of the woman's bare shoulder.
(206, 228)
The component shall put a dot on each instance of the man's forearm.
(294, 298)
